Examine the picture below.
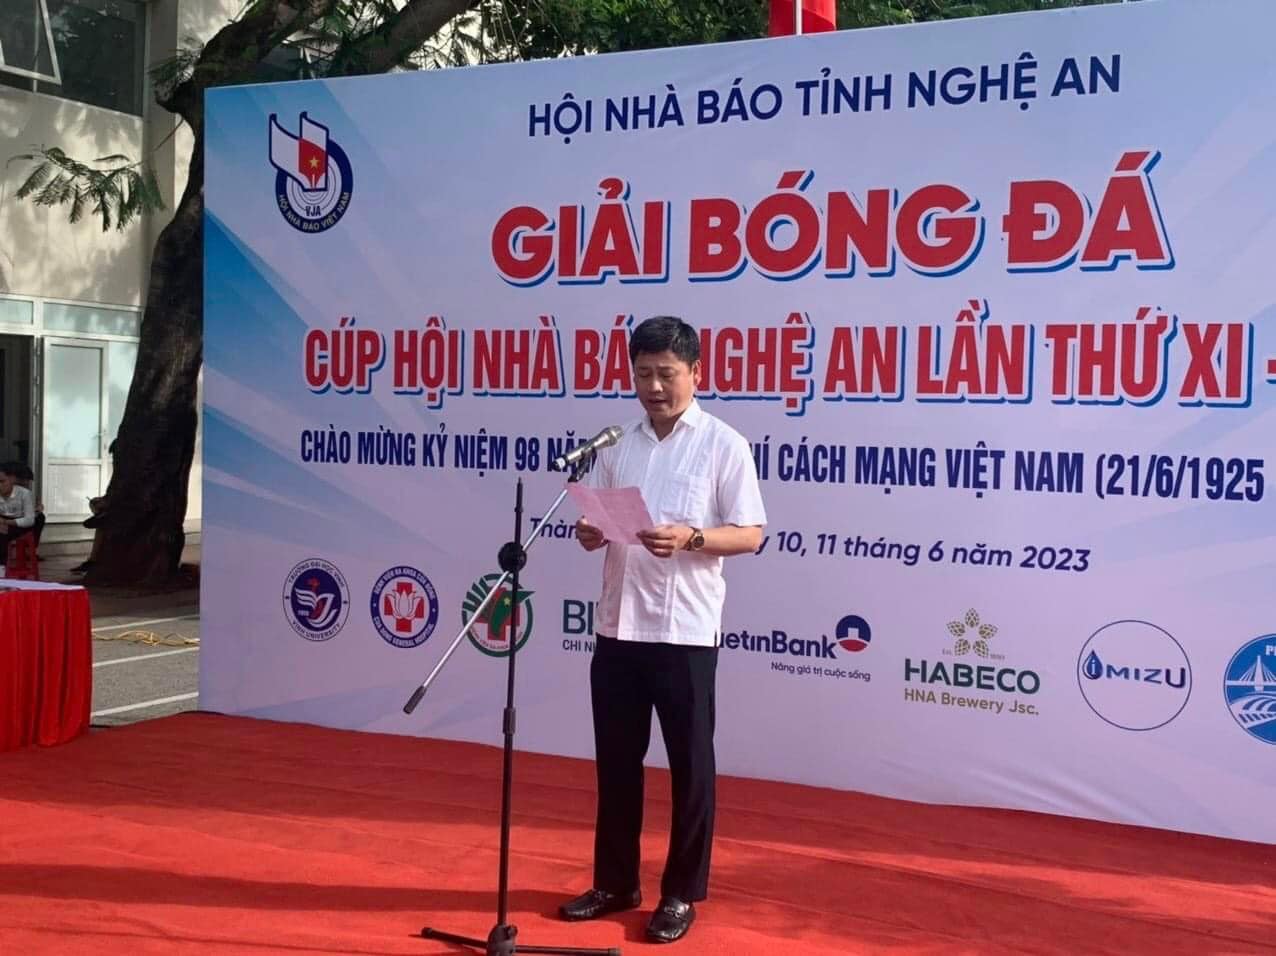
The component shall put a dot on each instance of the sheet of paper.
(620, 513)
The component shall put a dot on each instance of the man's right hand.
(590, 538)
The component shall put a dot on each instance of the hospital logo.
(313, 180)
(491, 629)
(1249, 687)
(316, 599)
(404, 607)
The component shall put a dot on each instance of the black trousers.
(627, 680)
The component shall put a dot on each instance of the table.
(46, 663)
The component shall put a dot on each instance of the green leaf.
(77, 206)
(155, 197)
(39, 176)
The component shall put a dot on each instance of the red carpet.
(214, 835)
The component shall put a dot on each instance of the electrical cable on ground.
(149, 638)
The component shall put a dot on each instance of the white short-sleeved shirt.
(702, 475)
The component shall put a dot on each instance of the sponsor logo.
(404, 607)
(1249, 686)
(971, 685)
(1134, 675)
(490, 631)
(313, 179)
(969, 634)
(853, 633)
(316, 599)
(791, 654)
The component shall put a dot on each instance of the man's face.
(6, 484)
(665, 383)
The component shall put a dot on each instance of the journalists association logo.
(491, 630)
(1249, 687)
(1134, 675)
(405, 607)
(316, 599)
(313, 179)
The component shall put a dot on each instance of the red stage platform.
(217, 835)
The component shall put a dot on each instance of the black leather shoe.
(671, 920)
(596, 903)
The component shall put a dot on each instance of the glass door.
(74, 425)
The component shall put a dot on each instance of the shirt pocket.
(688, 499)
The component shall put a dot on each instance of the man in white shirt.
(656, 626)
(17, 510)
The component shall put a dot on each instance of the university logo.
(313, 180)
(405, 607)
(490, 632)
(1249, 687)
(316, 599)
(1134, 675)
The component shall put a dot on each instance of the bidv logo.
(313, 180)
(1249, 687)
(404, 607)
(316, 599)
(933, 682)
(1134, 675)
(490, 631)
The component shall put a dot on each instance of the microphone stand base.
(500, 942)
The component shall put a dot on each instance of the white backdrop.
(1015, 427)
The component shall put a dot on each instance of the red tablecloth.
(46, 666)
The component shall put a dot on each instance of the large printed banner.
(993, 301)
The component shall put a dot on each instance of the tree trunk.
(141, 537)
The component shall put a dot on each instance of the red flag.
(312, 161)
(818, 16)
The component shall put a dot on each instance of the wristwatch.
(696, 541)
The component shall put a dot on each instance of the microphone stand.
(512, 558)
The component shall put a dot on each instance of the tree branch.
(235, 50)
(390, 44)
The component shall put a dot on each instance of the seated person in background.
(25, 478)
(98, 508)
(17, 510)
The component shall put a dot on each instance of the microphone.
(608, 436)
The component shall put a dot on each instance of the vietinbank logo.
(853, 633)
(790, 654)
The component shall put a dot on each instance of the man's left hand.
(666, 539)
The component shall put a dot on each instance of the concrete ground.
(145, 644)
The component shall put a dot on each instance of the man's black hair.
(665, 333)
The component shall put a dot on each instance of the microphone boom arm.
(491, 595)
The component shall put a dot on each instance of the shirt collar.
(690, 417)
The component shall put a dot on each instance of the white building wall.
(43, 257)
